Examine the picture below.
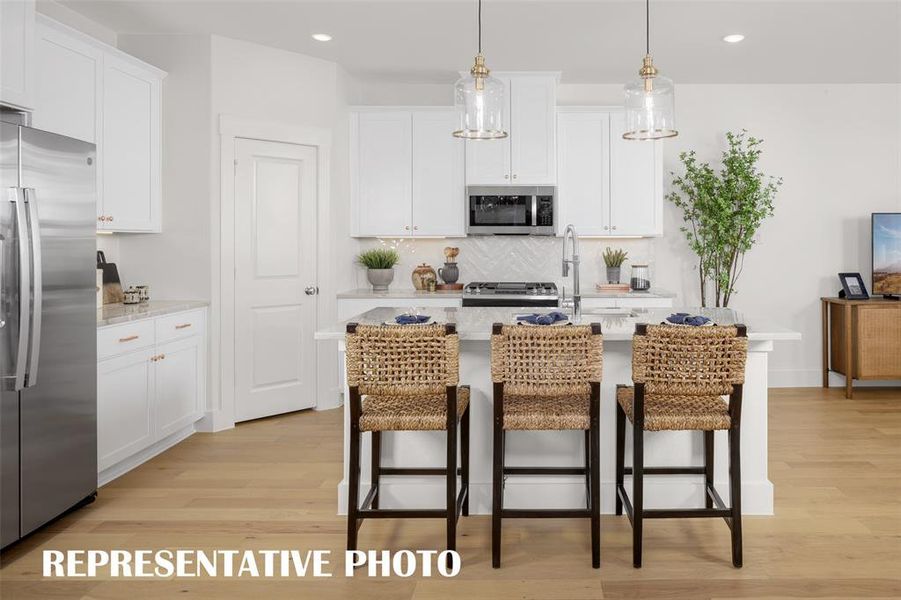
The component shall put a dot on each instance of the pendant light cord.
(480, 26)
(647, 25)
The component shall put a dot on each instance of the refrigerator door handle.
(37, 304)
(18, 198)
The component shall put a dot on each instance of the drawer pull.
(130, 338)
(183, 326)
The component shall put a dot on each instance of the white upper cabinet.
(636, 190)
(607, 186)
(69, 74)
(17, 53)
(583, 191)
(406, 173)
(438, 190)
(382, 167)
(528, 155)
(130, 147)
(93, 92)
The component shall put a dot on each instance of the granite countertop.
(474, 323)
(366, 293)
(113, 314)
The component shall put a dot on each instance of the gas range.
(515, 293)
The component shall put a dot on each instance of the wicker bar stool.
(404, 378)
(681, 375)
(547, 378)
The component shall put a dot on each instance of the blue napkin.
(687, 319)
(539, 319)
(411, 319)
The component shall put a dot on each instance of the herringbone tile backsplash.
(509, 258)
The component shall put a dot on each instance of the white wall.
(838, 148)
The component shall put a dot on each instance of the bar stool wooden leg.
(353, 485)
(464, 458)
(708, 468)
(451, 472)
(735, 493)
(497, 499)
(376, 466)
(620, 455)
(588, 468)
(637, 490)
(595, 470)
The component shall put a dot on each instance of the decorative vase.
(422, 275)
(613, 274)
(641, 278)
(380, 279)
(449, 273)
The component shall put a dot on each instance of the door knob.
(311, 291)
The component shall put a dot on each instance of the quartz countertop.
(474, 323)
(113, 314)
(405, 294)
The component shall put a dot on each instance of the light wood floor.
(270, 484)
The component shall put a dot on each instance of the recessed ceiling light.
(733, 38)
(322, 37)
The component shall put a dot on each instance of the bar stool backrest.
(403, 360)
(689, 361)
(546, 360)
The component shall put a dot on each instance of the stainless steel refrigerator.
(48, 328)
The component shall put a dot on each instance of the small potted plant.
(614, 260)
(379, 263)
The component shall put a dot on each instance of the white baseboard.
(670, 491)
(135, 460)
(213, 421)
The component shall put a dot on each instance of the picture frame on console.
(853, 287)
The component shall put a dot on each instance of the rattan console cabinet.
(861, 340)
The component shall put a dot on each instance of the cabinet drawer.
(644, 302)
(179, 325)
(120, 339)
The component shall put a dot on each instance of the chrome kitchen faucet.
(574, 261)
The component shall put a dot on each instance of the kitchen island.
(565, 448)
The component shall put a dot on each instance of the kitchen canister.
(641, 278)
(131, 296)
(144, 291)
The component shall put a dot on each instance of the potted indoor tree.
(722, 212)
(614, 260)
(379, 263)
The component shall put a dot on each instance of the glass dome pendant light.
(480, 100)
(650, 104)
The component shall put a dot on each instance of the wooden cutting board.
(112, 287)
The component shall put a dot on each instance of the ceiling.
(601, 41)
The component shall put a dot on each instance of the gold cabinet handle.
(183, 326)
(162, 356)
(130, 338)
(109, 219)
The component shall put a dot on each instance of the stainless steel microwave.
(517, 210)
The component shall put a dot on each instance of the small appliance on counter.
(494, 293)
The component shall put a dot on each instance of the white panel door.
(438, 187)
(124, 406)
(17, 52)
(488, 161)
(636, 176)
(583, 171)
(69, 73)
(533, 102)
(382, 160)
(179, 380)
(275, 260)
(131, 147)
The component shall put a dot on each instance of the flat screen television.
(887, 254)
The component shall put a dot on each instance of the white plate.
(430, 321)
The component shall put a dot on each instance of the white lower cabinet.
(151, 385)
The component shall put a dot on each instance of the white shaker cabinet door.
(124, 406)
(179, 384)
(68, 94)
(130, 147)
(381, 164)
(533, 100)
(488, 161)
(17, 53)
(636, 191)
(583, 164)
(438, 190)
